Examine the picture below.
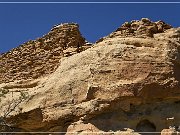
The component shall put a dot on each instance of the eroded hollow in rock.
(145, 126)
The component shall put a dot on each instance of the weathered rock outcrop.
(143, 28)
(120, 82)
(40, 57)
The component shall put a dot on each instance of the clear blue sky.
(22, 22)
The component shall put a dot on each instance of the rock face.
(40, 57)
(169, 132)
(121, 82)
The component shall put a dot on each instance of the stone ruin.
(141, 28)
(39, 57)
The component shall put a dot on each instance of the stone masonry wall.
(39, 57)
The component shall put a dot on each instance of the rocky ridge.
(143, 28)
(121, 82)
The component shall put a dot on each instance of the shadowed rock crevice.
(145, 126)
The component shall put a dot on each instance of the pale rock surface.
(169, 132)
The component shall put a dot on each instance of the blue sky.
(22, 22)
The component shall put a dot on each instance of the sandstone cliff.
(129, 79)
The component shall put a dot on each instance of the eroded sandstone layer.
(120, 85)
